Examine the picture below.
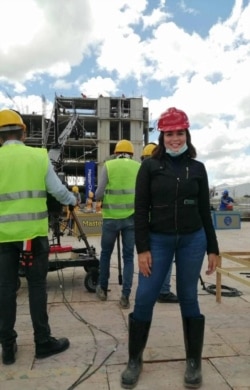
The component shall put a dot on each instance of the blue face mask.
(178, 153)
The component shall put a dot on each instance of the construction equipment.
(55, 152)
(66, 256)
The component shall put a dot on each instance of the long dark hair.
(160, 149)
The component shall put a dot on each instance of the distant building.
(87, 129)
(236, 191)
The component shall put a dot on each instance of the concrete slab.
(98, 334)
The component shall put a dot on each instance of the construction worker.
(116, 189)
(148, 150)
(75, 190)
(89, 202)
(26, 176)
(165, 296)
(226, 202)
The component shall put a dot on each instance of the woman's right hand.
(145, 263)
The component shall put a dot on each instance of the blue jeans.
(165, 288)
(189, 251)
(36, 277)
(110, 230)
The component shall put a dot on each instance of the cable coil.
(230, 291)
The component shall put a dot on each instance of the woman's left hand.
(212, 263)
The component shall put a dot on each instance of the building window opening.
(114, 131)
(125, 108)
(125, 131)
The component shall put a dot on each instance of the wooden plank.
(232, 276)
(239, 253)
(218, 281)
(227, 271)
(235, 269)
(236, 259)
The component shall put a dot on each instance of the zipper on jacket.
(187, 172)
(176, 193)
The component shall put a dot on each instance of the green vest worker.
(26, 176)
(118, 200)
(20, 207)
(116, 189)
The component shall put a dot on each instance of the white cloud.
(16, 25)
(43, 34)
(62, 84)
(98, 86)
(155, 18)
(186, 9)
(102, 47)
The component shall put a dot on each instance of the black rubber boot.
(138, 335)
(8, 353)
(193, 329)
(51, 347)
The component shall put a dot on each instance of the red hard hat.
(173, 119)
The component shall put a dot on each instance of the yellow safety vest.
(119, 195)
(23, 208)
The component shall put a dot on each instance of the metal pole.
(119, 259)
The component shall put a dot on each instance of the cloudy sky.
(191, 54)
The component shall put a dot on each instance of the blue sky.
(191, 54)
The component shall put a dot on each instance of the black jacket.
(172, 196)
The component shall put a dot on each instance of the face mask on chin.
(178, 152)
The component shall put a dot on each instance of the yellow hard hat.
(11, 120)
(148, 149)
(124, 146)
(75, 189)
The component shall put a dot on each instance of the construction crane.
(12, 100)
(56, 151)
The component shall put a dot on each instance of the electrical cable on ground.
(211, 289)
(85, 374)
(228, 291)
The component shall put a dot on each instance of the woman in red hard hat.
(172, 219)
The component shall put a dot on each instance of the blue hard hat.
(225, 192)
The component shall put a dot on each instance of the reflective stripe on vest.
(23, 217)
(23, 196)
(119, 192)
(118, 206)
(118, 201)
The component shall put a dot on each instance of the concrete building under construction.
(83, 130)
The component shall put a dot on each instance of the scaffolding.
(83, 129)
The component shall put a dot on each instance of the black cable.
(230, 291)
(91, 328)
